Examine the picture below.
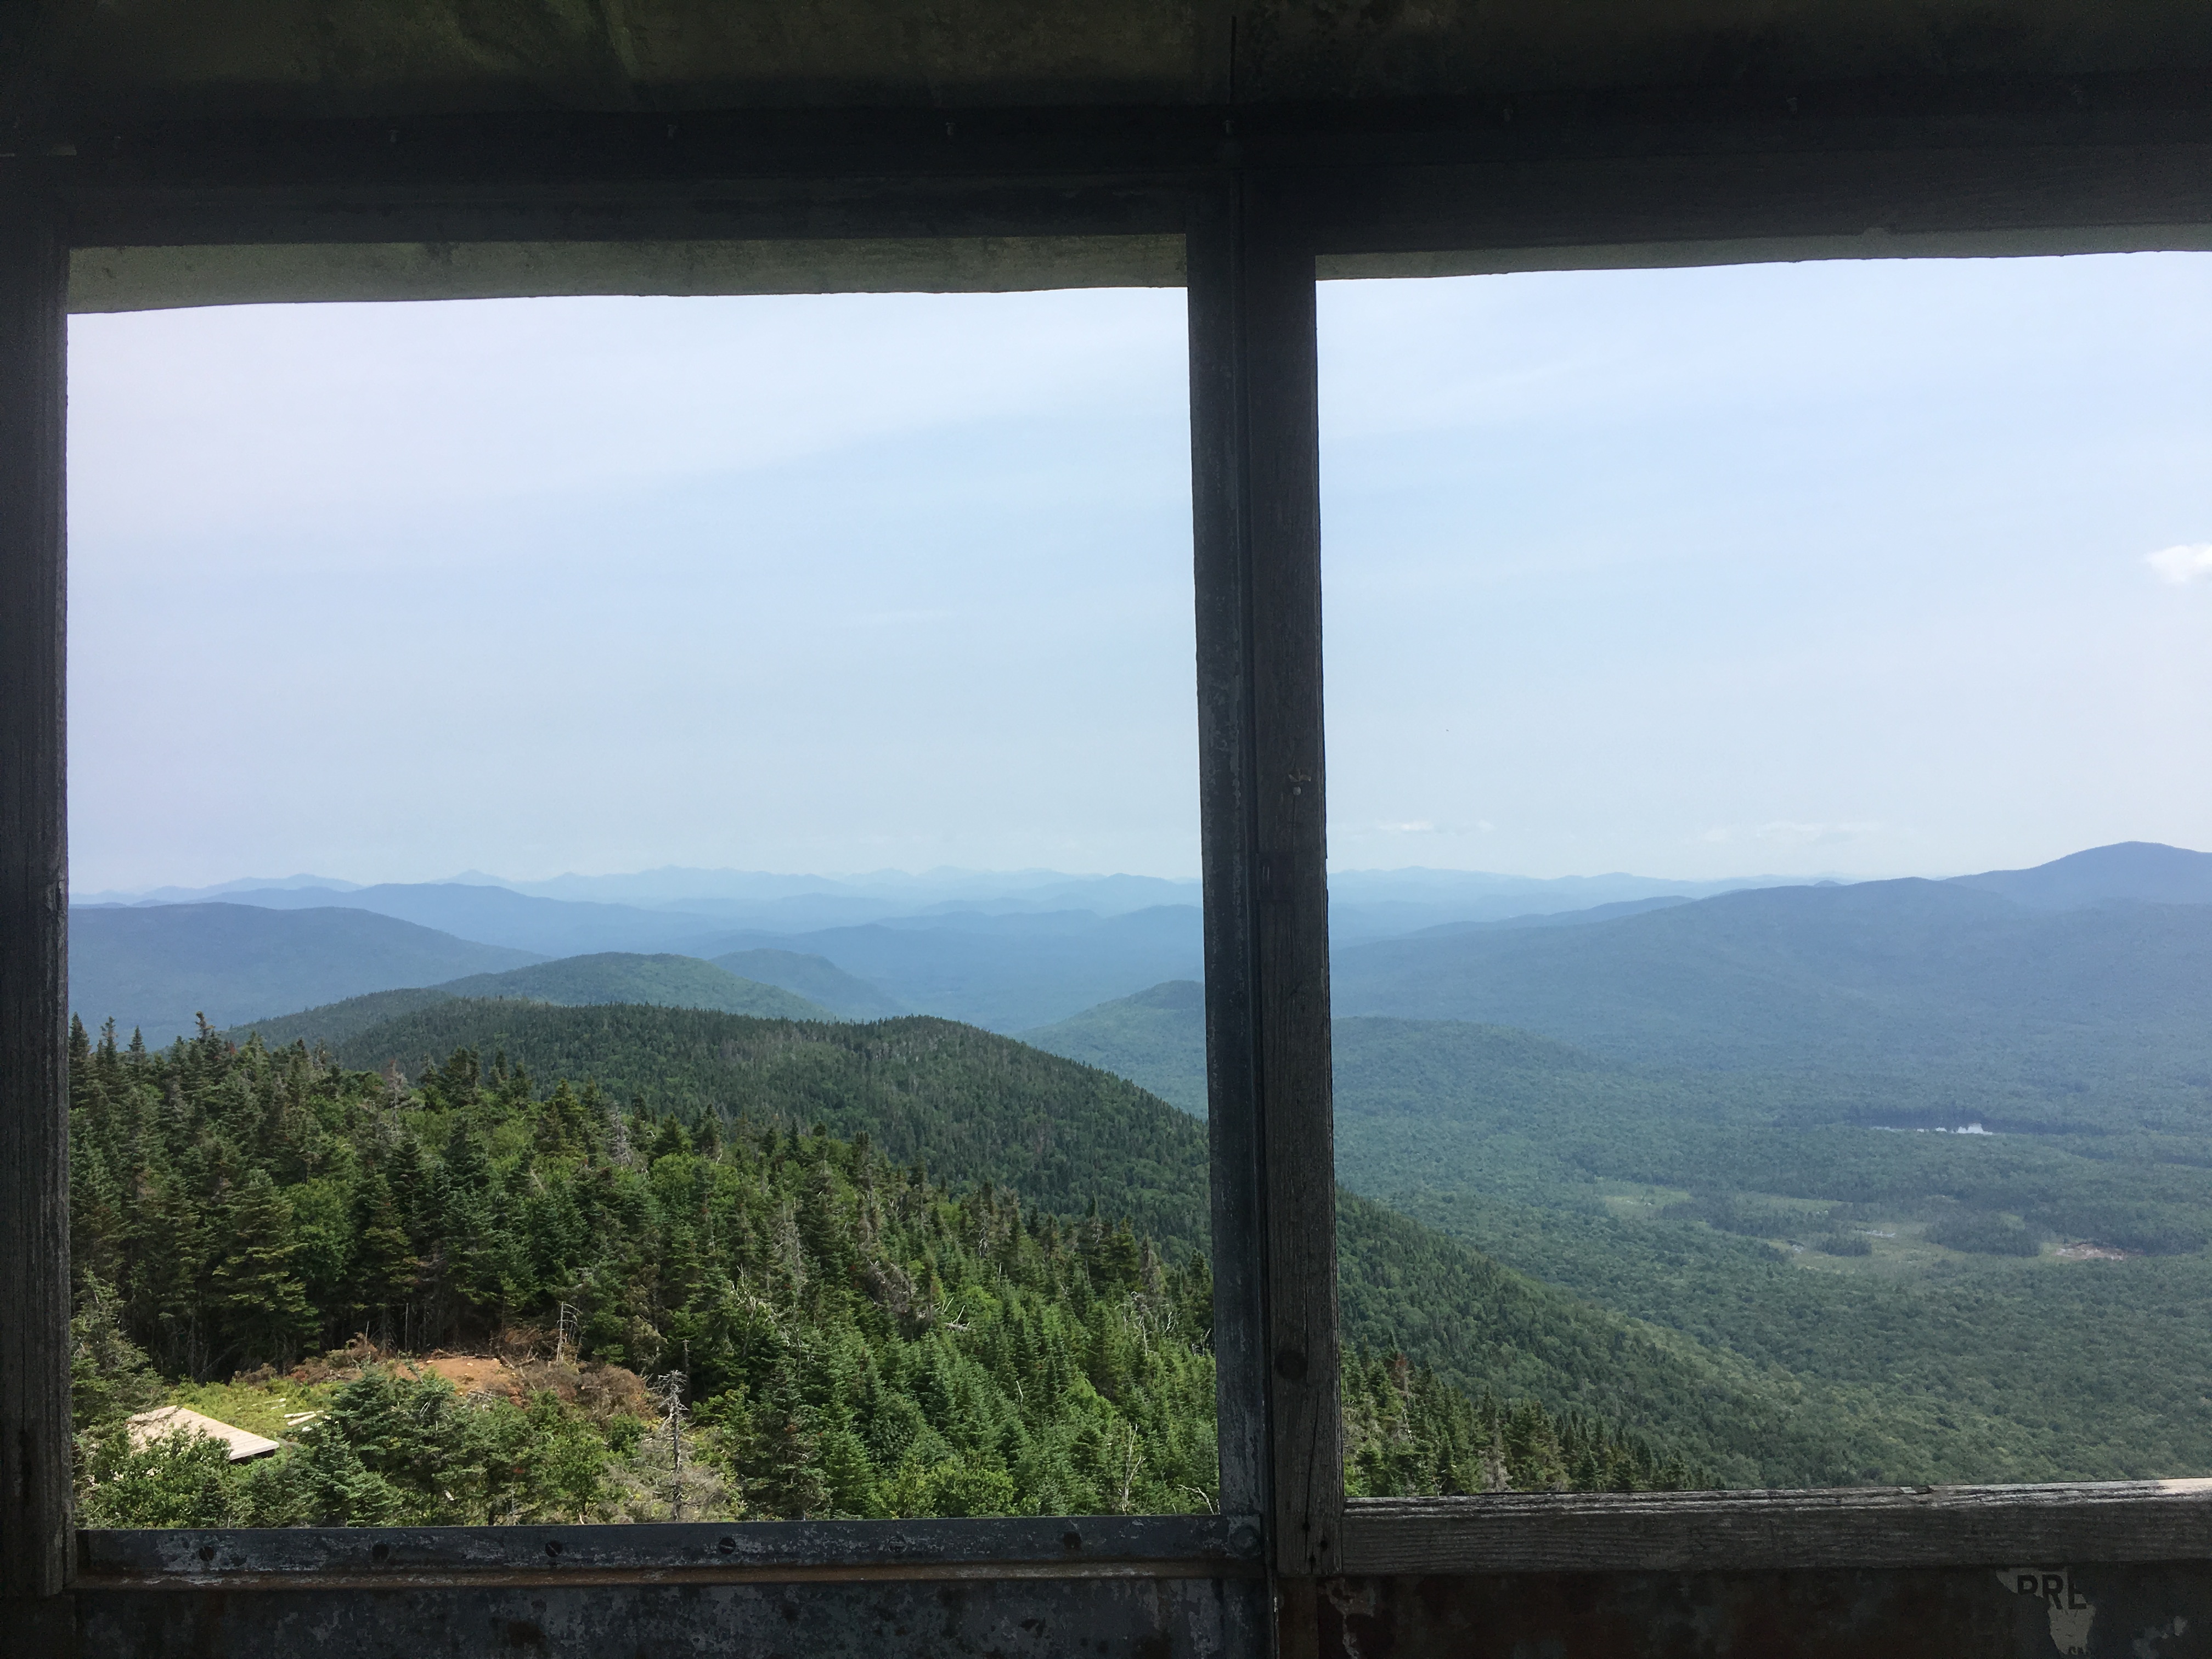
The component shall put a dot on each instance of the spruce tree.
(259, 1301)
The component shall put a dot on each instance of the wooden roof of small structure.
(146, 1427)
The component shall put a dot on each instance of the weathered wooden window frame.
(1265, 203)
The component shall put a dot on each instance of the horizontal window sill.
(1084, 1546)
(2124, 1521)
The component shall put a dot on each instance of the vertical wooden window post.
(35, 1406)
(1256, 497)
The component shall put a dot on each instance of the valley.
(1683, 1169)
(1698, 1116)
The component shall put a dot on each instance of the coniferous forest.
(704, 1313)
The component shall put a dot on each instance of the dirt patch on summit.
(472, 1373)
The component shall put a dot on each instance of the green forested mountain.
(972, 1107)
(1914, 1275)
(845, 1334)
(1407, 1285)
(1889, 980)
(1896, 1288)
(159, 968)
(334, 1022)
(667, 981)
(967, 1105)
(1157, 1039)
(815, 978)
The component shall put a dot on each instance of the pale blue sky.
(1845, 566)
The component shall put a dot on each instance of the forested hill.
(854, 1338)
(1888, 977)
(967, 1105)
(668, 981)
(1904, 1283)
(1155, 1038)
(974, 1107)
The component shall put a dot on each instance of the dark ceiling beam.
(2045, 199)
(1824, 161)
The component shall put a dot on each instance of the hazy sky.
(1868, 567)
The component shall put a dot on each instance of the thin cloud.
(1342, 831)
(2190, 562)
(1783, 833)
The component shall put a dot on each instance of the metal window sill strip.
(1884, 1527)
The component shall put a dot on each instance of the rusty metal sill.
(371, 1558)
(2128, 1520)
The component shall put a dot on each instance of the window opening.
(592, 820)
(1768, 898)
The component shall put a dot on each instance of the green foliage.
(179, 1481)
(1407, 1434)
(1935, 985)
(389, 1451)
(1730, 1213)
(334, 1022)
(109, 1377)
(1889, 1358)
(1492, 1332)
(664, 981)
(847, 1335)
(963, 1103)
(1983, 1235)
(1157, 1039)
(1970, 1368)
(670, 981)
(815, 978)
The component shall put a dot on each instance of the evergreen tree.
(258, 1298)
(858, 1339)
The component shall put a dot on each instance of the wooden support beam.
(1257, 496)
(318, 1559)
(2055, 156)
(34, 1404)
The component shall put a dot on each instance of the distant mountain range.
(544, 927)
(1429, 943)
(672, 909)
(1727, 1151)
(1005, 972)
(1366, 904)
(1883, 976)
(2017, 1007)
(1000, 969)
(2145, 871)
(158, 967)
(613, 977)
(815, 978)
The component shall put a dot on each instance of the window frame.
(1264, 213)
